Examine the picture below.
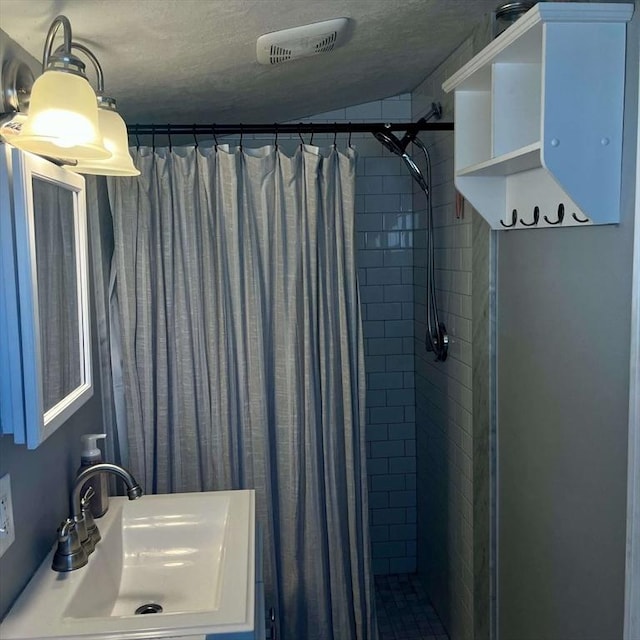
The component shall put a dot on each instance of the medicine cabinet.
(45, 346)
(538, 118)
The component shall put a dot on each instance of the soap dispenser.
(91, 455)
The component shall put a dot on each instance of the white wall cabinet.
(539, 112)
(45, 341)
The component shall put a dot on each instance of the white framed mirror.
(51, 258)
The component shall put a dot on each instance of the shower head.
(390, 142)
(393, 144)
(398, 147)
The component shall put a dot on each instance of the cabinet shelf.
(539, 117)
(516, 161)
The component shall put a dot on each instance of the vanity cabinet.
(538, 118)
(45, 342)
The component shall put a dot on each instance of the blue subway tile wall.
(444, 426)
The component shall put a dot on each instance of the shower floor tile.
(404, 611)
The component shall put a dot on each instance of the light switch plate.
(7, 530)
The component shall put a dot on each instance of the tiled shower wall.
(452, 408)
(444, 400)
(384, 224)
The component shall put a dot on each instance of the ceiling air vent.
(301, 42)
(327, 44)
(278, 54)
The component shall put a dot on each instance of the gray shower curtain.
(240, 358)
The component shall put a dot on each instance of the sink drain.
(150, 607)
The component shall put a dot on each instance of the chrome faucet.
(78, 535)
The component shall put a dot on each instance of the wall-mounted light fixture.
(63, 112)
(66, 120)
(112, 128)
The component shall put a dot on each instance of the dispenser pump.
(90, 451)
(92, 455)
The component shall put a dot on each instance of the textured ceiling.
(195, 60)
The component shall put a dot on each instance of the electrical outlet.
(7, 530)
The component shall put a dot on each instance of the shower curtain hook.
(195, 137)
(350, 132)
(215, 137)
(153, 137)
(137, 138)
(335, 135)
(300, 134)
(311, 141)
(169, 136)
(275, 127)
(241, 135)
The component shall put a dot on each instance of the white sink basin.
(191, 553)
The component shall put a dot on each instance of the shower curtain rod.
(275, 129)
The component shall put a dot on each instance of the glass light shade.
(63, 119)
(114, 132)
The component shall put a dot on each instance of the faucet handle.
(92, 528)
(86, 498)
(70, 553)
(65, 529)
(68, 539)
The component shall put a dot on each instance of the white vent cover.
(301, 42)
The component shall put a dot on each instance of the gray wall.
(563, 365)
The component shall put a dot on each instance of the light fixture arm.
(96, 64)
(51, 34)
